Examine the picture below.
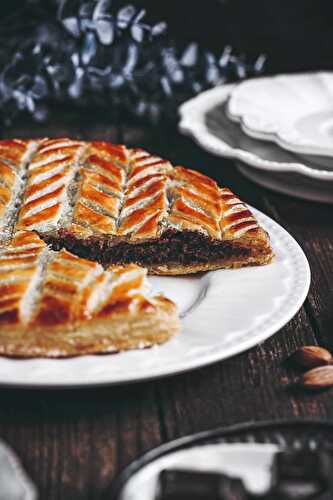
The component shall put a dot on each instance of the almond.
(311, 356)
(318, 378)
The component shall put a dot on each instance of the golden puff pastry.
(116, 205)
(55, 304)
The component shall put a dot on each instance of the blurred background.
(90, 52)
(295, 34)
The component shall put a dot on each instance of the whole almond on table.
(318, 378)
(311, 356)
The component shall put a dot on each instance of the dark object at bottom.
(303, 474)
(296, 475)
(196, 485)
(290, 436)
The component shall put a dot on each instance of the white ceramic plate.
(250, 462)
(295, 111)
(292, 185)
(204, 118)
(223, 313)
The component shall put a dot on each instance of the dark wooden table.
(73, 442)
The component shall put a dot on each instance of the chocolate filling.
(173, 247)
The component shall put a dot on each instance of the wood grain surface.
(72, 443)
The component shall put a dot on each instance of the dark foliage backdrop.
(142, 70)
(295, 34)
(100, 54)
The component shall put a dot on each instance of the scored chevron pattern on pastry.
(101, 190)
(49, 176)
(146, 202)
(14, 157)
(196, 204)
(98, 188)
(20, 268)
(236, 219)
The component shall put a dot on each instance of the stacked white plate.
(279, 129)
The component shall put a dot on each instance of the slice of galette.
(55, 304)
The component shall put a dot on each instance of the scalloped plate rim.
(279, 136)
(192, 124)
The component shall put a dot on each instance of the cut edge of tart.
(116, 205)
(174, 253)
(55, 304)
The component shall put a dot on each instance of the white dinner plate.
(295, 111)
(205, 119)
(223, 313)
(292, 185)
